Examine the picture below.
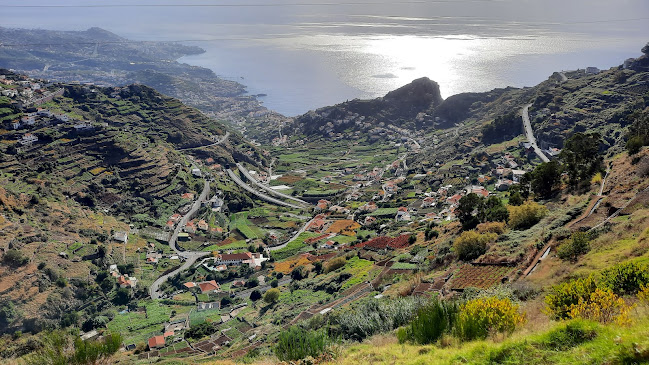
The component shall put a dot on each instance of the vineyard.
(475, 276)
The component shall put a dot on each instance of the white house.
(27, 139)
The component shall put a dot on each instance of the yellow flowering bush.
(602, 306)
(643, 294)
(483, 316)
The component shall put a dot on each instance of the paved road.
(530, 134)
(259, 194)
(295, 236)
(225, 137)
(255, 182)
(189, 256)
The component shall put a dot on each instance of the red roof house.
(156, 342)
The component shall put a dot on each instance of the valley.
(125, 211)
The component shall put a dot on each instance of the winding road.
(189, 256)
(530, 134)
(295, 236)
(256, 182)
(225, 137)
(259, 194)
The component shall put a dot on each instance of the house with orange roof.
(190, 285)
(322, 205)
(209, 287)
(190, 227)
(316, 225)
(202, 225)
(453, 199)
(402, 214)
(126, 281)
(188, 196)
(156, 342)
(175, 217)
(478, 190)
(428, 202)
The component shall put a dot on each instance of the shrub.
(255, 295)
(563, 296)
(430, 324)
(59, 347)
(602, 306)
(578, 245)
(572, 334)
(634, 144)
(526, 215)
(272, 295)
(200, 330)
(15, 258)
(643, 295)
(624, 279)
(483, 316)
(335, 264)
(298, 343)
(373, 316)
(492, 227)
(471, 244)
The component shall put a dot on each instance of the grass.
(403, 266)
(138, 326)
(564, 343)
(360, 270)
(293, 247)
(381, 212)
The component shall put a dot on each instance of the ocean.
(304, 54)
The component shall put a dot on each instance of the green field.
(382, 212)
(294, 247)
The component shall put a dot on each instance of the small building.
(27, 139)
(402, 214)
(517, 175)
(369, 220)
(190, 227)
(156, 342)
(428, 202)
(202, 225)
(121, 236)
(197, 172)
(592, 70)
(207, 287)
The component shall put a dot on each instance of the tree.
(255, 295)
(545, 178)
(271, 296)
(15, 258)
(298, 273)
(122, 296)
(252, 282)
(575, 247)
(638, 131)
(317, 266)
(526, 215)
(493, 210)
(580, 157)
(466, 208)
(471, 244)
(8, 313)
